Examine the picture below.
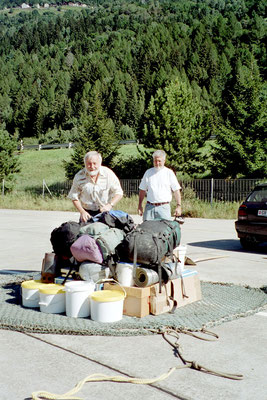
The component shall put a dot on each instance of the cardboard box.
(183, 291)
(140, 302)
(136, 303)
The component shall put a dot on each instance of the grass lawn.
(38, 165)
(47, 165)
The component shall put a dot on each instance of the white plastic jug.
(181, 254)
(78, 298)
(124, 272)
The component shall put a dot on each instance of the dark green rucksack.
(150, 242)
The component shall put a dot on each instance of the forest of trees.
(172, 74)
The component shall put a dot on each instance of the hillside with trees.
(170, 74)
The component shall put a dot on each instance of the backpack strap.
(134, 255)
(173, 299)
(112, 266)
(181, 276)
(174, 232)
(155, 237)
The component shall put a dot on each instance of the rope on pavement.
(166, 333)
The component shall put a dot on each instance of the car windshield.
(258, 195)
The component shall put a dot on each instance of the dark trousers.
(92, 213)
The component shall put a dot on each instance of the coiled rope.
(166, 333)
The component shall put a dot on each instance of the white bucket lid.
(79, 286)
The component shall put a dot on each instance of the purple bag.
(86, 248)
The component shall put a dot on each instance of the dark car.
(251, 226)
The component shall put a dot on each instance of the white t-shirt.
(94, 195)
(159, 184)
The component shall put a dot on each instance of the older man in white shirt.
(95, 188)
(159, 184)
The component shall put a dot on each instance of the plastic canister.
(181, 255)
(107, 305)
(30, 293)
(124, 272)
(52, 299)
(78, 298)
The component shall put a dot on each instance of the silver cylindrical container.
(145, 277)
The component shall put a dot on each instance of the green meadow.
(47, 165)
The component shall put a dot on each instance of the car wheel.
(249, 243)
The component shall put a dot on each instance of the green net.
(220, 303)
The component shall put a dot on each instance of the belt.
(158, 204)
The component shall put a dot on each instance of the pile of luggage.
(92, 251)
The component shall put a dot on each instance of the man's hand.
(85, 216)
(178, 211)
(140, 210)
(106, 207)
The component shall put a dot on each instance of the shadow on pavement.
(17, 271)
(230, 245)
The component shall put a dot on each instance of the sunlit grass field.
(47, 165)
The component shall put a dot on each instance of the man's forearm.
(142, 194)
(116, 199)
(177, 196)
(78, 206)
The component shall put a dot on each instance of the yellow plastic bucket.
(107, 305)
(52, 299)
(30, 293)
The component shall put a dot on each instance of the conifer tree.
(9, 164)
(95, 132)
(177, 123)
(241, 149)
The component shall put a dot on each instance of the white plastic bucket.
(30, 293)
(181, 256)
(107, 305)
(124, 272)
(78, 298)
(52, 299)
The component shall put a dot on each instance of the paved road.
(56, 363)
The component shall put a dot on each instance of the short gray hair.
(91, 154)
(159, 153)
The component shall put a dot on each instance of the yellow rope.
(101, 378)
(142, 381)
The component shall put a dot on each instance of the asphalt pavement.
(56, 363)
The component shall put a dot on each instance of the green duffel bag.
(93, 229)
(108, 241)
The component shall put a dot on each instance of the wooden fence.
(204, 189)
(221, 189)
